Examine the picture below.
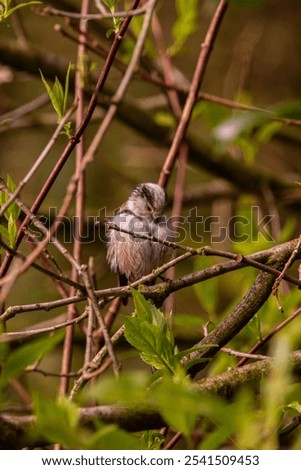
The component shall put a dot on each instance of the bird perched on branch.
(132, 257)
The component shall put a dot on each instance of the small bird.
(132, 257)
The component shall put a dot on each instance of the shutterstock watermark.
(192, 228)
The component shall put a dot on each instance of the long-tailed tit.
(132, 257)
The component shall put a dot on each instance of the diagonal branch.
(15, 429)
(255, 297)
(192, 96)
(79, 132)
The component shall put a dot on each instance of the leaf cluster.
(6, 10)
(11, 215)
(59, 97)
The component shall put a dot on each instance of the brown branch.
(75, 140)
(275, 330)
(90, 16)
(248, 178)
(15, 429)
(255, 297)
(198, 75)
(162, 290)
(79, 203)
(38, 161)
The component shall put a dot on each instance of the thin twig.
(62, 278)
(91, 16)
(123, 86)
(231, 352)
(74, 141)
(197, 78)
(209, 251)
(25, 108)
(94, 305)
(175, 105)
(16, 335)
(275, 330)
(39, 161)
(95, 363)
(166, 288)
(79, 202)
(36, 221)
(90, 325)
(287, 265)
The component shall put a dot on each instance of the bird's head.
(147, 200)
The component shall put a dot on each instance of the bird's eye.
(149, 207)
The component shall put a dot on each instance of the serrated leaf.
(143, 309)
(57, 95)
(146, 311)
(13, 208)
(151, 341)
(26, 355)
(149, 332)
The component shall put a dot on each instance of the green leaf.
(267, 131)
(178, 403)
(149, 332)
(129, 387)
(211, 113)
(5, 11)
(26, 355)
(4, 232)
(147, 311)
(57, 421)
(290, 109)
(51, 94)
(165, 119)
(296, 406)
(58, 96)
(13, 210)
(12, 231)
(151, 342)
(143, 309)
